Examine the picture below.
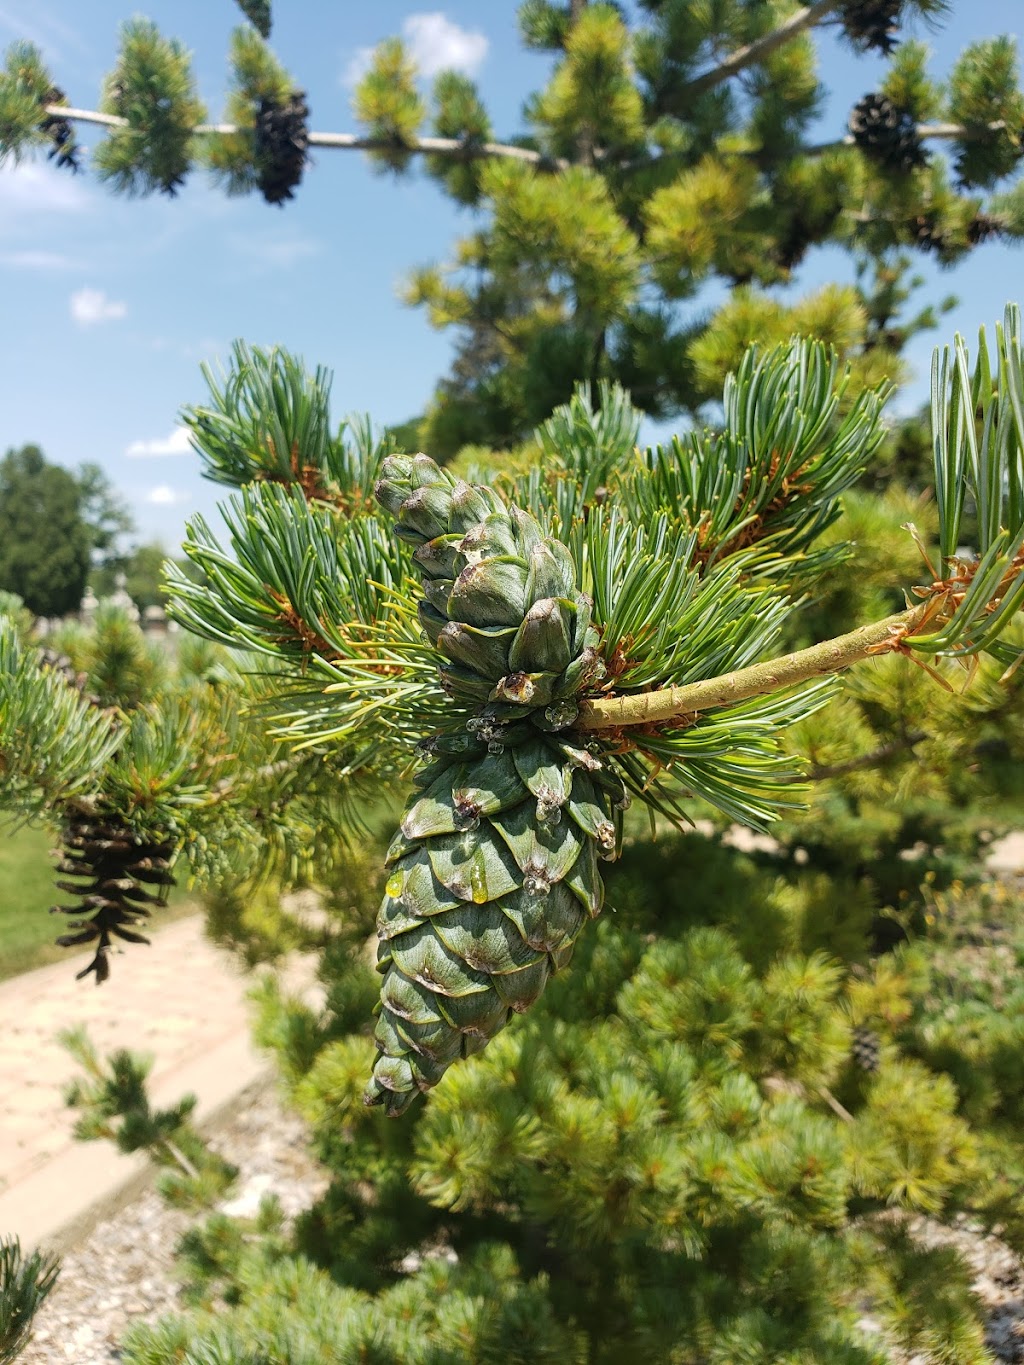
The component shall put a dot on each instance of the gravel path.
(124, 1269)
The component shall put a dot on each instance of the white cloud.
(40, 187)
(36, 260)
(175, 444)
(435, 44)
(358, 66)
(90, 306)
(163, 495)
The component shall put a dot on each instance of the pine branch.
(355, 142)
(757, 680)
(459, 150)
(462, 150)
(760, 49)
(935, 132)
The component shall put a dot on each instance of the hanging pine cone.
(866, 1049)
(282, 143)
(928, 234)
(111, 867)
(983, 227)
(887, 133)
(872, 24)
(64, 150)
(494, 869)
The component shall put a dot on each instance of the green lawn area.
(27, 891)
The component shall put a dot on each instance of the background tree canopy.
(45, 543)
(54, 525)
(673, 148)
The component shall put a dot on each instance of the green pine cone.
(494, 870)
(493, 875)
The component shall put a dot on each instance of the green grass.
(27, 930)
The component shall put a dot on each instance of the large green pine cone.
(493, 875)
(494, 871)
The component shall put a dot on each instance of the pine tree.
(673, 1154)
(666, 150)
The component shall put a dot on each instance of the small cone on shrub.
(110, 869)
(887, 133)
(983, 227)
(928, 234)
(866, 1049)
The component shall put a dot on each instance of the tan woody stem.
(674, 703)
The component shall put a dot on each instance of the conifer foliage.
(683, 1145)
(25, 1282)
(604, 630)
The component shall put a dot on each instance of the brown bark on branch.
(757, 680)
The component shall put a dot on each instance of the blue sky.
(111, 305)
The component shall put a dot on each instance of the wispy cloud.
(435, 44)
(175, 444)
(46, 31)
(41, 188)
(36, 260)
(275, 252)
(163, 495)
(92, 306)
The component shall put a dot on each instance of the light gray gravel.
(124, 1269)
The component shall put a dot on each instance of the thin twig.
(757, 680)
(180, 1157)
(835, 1106)
(934, 132)
(228, 786)
(761, 48)
(875, 759)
